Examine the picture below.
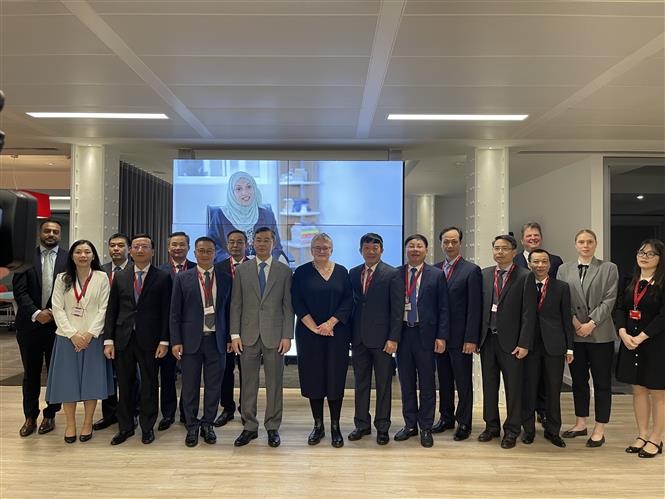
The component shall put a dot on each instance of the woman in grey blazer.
(593, 291)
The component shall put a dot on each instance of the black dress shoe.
(104, 423)
(382, 438)
(527, 438)
(405, 434)
(442, 426)
(487, 435)
(273, 438)
(336, 439)
(192, 438)
(508, 441)
(70, 440)
(148, 437)
(357, 434)
(644, 454)
(223, 418)
(245, 437)
(86, 437)
(555, 439)
(635, 450)
(426, 439)
(121, 436)
(47, 425)
(165, 424)
(462, 433)
(318, 432)
(28, 427)
(575, 433)
(208, 434)
(595, 443)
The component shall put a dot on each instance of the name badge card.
(495, 307)
(77, 311)
(407, 306)
(209, 310)
(635, 315)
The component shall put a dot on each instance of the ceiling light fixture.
(107, 116)
(640, 197)
(458, 117)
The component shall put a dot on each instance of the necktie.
(262, 277)
(582, 268)
(502, 274)
(540, 290)
(179, 268)
(47, 277)
(139, 285)
(118, 268)
(412, 314)
(368, 279)
(209, 318)
(446, 268)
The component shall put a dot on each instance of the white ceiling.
(289, 74)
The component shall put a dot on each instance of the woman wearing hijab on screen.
(243, 211)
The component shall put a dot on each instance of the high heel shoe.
(318, 432)
(631, 449)
(70, 440)
(646, 454)
(85, 438)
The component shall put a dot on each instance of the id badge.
(407, 306)
(495, 307)
(635, 315)
(77, 311)
(209, 310)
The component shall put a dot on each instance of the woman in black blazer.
(640, 320)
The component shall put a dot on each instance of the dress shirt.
(408, 283)
(53, 256)
(202, 271)
(367, 269)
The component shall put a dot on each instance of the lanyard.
(637, 297)
(207, 292)
(505, 282)
(174, 266)
(409, 287)
(451, 268)
(543, 292)
(233, 266)
(83, 289)
(366, 282)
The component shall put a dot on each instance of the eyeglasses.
(137, 247)
(321, 248)
(647, 254)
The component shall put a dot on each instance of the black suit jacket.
(378, 315)
(27, 289)
(148, 318)
(167, 267)
(555, 319)
(555, 263)
(516, 314)
(465, 297)
(433, 310)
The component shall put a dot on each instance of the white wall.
(449, 210)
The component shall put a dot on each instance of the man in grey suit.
(261, 326)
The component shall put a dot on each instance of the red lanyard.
(410, 287)
(505, 281)
(138, 290)
(233, 266)
(366, 282)
(174, 267)
(637, 297)
(543, 292)
(83, 290)
(207, 292)
(451, 268)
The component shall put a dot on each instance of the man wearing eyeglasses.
(137, 332)
(200, 335)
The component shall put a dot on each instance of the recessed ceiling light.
(109, 116)
(458, 117)
(640, 197)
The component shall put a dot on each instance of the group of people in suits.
(526, 316)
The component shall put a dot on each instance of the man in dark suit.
(200, 335)
(455, 364)
(35, 327)
(178, 247)
(532, 238)
(552, 344)
(236, 241)
(509, 319)
(137, 332)
(425, 330)
(378, 297)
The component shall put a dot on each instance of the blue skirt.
(76, 376)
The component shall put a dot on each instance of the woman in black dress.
(640, 320)
(323, 301)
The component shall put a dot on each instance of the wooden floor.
(44, 466)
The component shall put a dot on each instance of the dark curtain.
(146, 205)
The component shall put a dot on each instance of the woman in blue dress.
(79, 371)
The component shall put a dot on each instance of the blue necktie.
(262, 277)
(139, 282)
(412, 315)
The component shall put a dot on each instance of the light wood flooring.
(44, 466)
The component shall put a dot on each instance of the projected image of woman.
(243, 211)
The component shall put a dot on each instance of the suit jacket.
(555, 320)
(269, 317)
(167, 267)
(433, 308)
(186, 322)
(595, 298)
(465, 297)
(378, 315)
(225, 266)
(516, 313)
(27, 288)
(555, 263)
(148, 318)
